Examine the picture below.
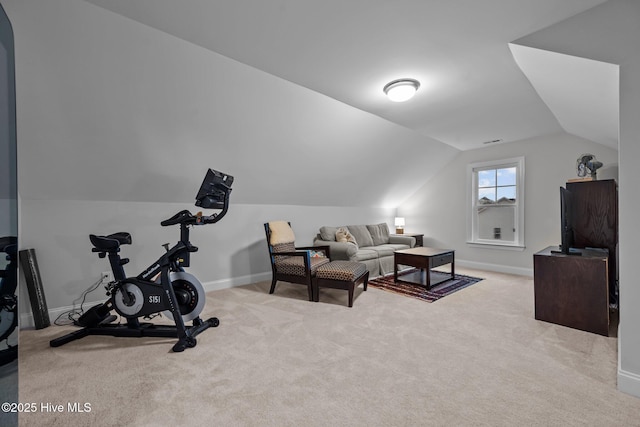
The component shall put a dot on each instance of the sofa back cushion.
(362, 235)
(328, 233)
(379, 233)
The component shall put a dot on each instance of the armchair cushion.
(281, 232)
(284, 247)
(294, 265)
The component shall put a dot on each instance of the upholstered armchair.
(290, 263)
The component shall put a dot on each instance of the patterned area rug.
(445, 285)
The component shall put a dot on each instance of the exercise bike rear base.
(142, 330)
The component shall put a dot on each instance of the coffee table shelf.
(425, 259)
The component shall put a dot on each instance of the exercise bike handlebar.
(187, 218)
(182, 217)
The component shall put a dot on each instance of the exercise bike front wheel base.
(183, 344)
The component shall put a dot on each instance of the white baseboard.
(629, 383)
(499, 268)
(236, 281)
(27, 321)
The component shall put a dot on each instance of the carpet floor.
(475, 358)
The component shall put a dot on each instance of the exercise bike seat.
(110, 242)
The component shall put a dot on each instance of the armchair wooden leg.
(273, 285)
(310, 291)
(315, 290)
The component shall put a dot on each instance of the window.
(496, 203)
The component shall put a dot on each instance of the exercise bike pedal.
(96, 315)
(109, 319)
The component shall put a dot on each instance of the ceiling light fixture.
(401, 90)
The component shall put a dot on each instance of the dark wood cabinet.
(572, 290)
(595, 221)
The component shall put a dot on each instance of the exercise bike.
(163, 287)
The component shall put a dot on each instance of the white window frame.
(472, 198)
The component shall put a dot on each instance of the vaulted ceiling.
(472, 90)
(132, 100)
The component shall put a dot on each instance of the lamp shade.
(399, 222)
(401, 90)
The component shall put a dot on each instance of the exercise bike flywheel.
(136, 300)
(187, 288)
(189, 293)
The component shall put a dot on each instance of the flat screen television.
(566, 223)
(214, 190)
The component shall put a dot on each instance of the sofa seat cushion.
(364, 255)
(396, 246)
(382, 250)
(294, 265)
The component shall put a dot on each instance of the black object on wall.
(29, 265)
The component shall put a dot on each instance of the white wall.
(438, 209)
(231, 252)
(110, 109)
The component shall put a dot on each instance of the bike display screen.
(214, 190)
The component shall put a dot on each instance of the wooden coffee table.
(425, 259)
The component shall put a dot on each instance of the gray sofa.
(374, 246)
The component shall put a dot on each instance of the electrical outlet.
(107, 277)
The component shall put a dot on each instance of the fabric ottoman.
(340, 275)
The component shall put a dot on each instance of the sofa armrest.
(339, 250)
(403, 240)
